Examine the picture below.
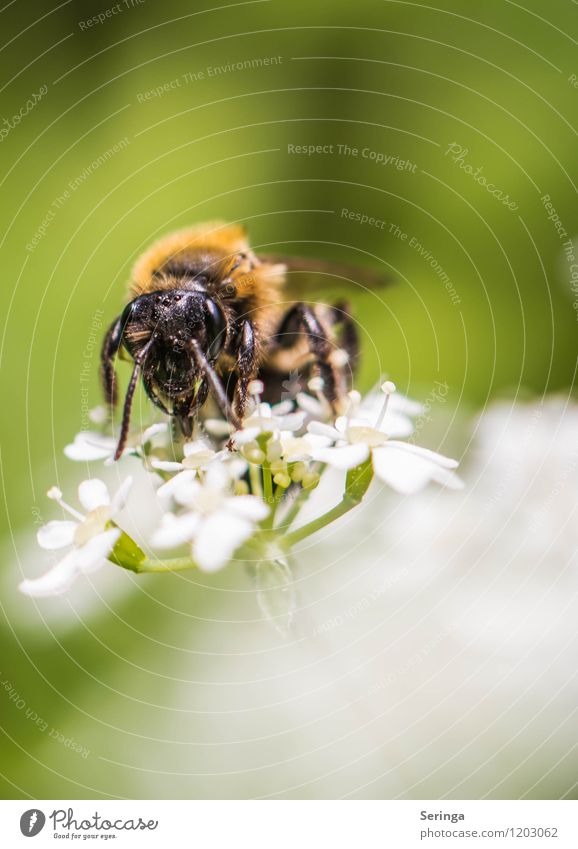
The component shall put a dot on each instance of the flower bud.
(282, 479)
(310, 480)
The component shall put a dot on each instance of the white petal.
(247, 507)
(93, 493)
(89, 446)
(199, 459)
(408, 472)
(195, 447)
(218, 427)
(312, 406)
(92, 555)
(397, 424)
(402, 404)
(175, 530)
(54, 582)
(166, 465)
(120, 497)
(80, 560)
(346, 457)
(56, 534)
(236, 466)
(282, 408)
(219, 536)
(293, 421)
(153, 430)
(217, 477)
(321, 429)
(426, 453)
(241, 437)
(342, 423)
(168, 489)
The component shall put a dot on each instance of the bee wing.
(306, 275)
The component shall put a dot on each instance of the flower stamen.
(55, 494)
(388, 388)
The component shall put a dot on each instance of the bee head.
(170, 320)
(176, 335)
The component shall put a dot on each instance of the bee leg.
(136, 372)
(110, 347)
(301, 317)
(246, 366)
(215, 383)
(350, 337)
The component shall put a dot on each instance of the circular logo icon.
(32, 822)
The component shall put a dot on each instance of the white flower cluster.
(224, 489)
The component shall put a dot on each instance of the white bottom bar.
(292, 824)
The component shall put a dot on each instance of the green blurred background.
(402, 79)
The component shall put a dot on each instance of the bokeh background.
(175, 687)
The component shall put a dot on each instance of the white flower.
(405, 467)
(90, 445)
(215, 521)
(395, 419)
(197, 455)
(267, 419)
(300, 448)
(89, 535)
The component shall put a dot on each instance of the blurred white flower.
(300, 448)
(91, 445)
(89, 535)
(197, 456)
(266, 418)
(405, 467)
(397, 417)
(215, 521)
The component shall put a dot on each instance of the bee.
(206, 316)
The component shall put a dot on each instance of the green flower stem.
(129, 555)
(298, 503)
(268, 494)
(278, 494)
(255, 480)
(295, 509)
(175, 564)
(356, 485)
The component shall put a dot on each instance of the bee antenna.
(216, 383)
(128, 400)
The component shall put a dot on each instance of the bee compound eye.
(127, 314)
(216, 328)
